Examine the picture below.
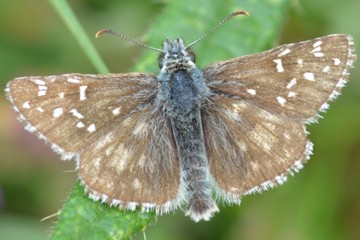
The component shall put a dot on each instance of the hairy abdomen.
(184, 109)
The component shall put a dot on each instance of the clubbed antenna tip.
(242, 12)
(101, 32)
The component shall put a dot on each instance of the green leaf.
(82, 218)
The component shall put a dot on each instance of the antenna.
(238, 12)
(109, 31)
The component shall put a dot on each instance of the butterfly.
(187, 137)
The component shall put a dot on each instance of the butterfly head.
(176, 56)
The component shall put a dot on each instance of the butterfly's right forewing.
(71, 110)
(110, 124)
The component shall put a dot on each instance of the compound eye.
(192, 56)
(161, 60)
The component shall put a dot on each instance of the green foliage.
(240, 36)
(81, 218)
(78, 32)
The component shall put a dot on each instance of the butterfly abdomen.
(194, 169)
(183, 108)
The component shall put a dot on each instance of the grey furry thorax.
(182, 85)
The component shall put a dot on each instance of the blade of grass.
(69, 18)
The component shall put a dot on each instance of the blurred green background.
(321, 202)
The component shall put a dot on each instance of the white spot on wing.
(281, 100)
(292, 94)
(82, 92)
(116, 111)
(309, 76)
(75, 113)
(283, 53)
(41, 93)
(41, 87)
(80, 125)
(251, 91)
(61, 95)
(291, 83)
(317, 49)
(39, 82)
(279, 66)
(300, 61)
(58, 112)
(318, 54)
(336, 61)
(73, 80)
(40, 109)
(326, 69)
(26, 105)
(318, 43)
(91, 128)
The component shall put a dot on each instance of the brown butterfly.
(187, 136)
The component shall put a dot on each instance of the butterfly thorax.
(182, 86)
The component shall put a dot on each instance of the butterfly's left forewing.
(259, 106)
(110, 125)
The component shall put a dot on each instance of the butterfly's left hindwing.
(109, 124)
